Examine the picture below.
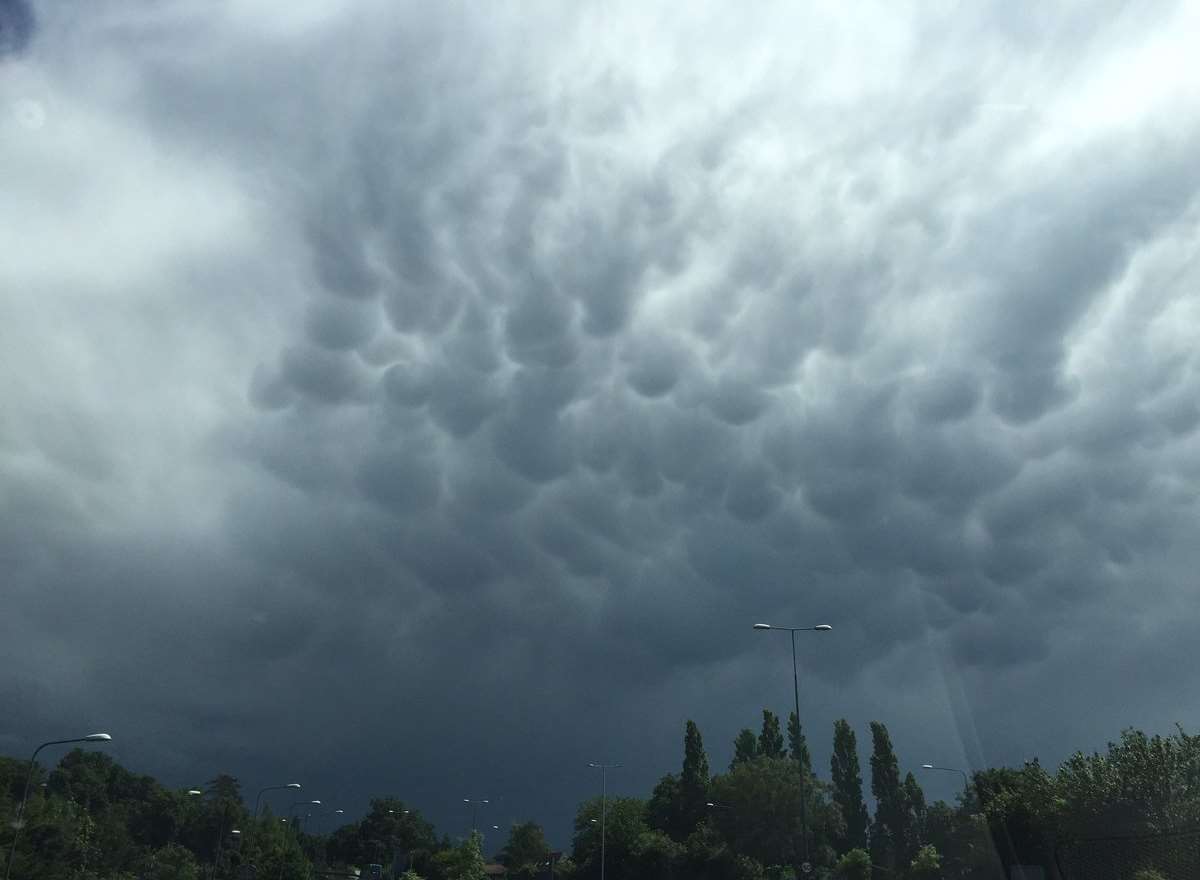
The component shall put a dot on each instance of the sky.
(426, 399)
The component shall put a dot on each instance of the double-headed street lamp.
(475, 804)
(820, 627)
(294, 786)
(603, 768)
(90, 738)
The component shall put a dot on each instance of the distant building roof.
(495, 870)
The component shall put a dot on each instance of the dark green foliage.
(797, 744)
(770, 740)
(846, 774)
(694, 779)
(914, 799)
(889, 831)
(761, 810)
(1020, 807)
(678, 803)
(626, 824)
(854, 865)
(926, 864)
(526, 848)
(745, 747)
(389, 830)
(662, 810)
(94, 819)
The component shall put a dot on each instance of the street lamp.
(295, 786)
(962, 773)
(90, 738)
(329, 813)
(603, 768)
(474, 809)
(196, 792)
(820, 627)
(307, 815)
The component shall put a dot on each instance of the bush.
(854, 865)
(1148, 874)
(927, 865)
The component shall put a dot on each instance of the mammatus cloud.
(458, 407)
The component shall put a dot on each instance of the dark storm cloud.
(16, 26)
(528, 386)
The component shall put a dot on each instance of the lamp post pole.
(12, 850)
(806, 865)
(603, 768)
(295, 786)
(962, 773)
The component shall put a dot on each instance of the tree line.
(1131, 811)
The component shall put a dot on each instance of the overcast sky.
(425, 399)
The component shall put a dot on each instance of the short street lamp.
(90, 738)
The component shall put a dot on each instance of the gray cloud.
(16, 26)
(459, 412)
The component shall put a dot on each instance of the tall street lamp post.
(236, 833)
(12, 850)
(962, 773)
(603, 768)
(806, 866)
(329, 813)
(294, 786)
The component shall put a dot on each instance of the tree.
(770, 740)
(274, 850)
(694, 780)
(926, 865)
(962, 840)
(745, 747)
(625, 824)
(468, 860)
(846, 774)
(760, 815)
(854, 865)
(914, 799)
(1022, 810)
(1141, 785)
(172, 862)
(655, 856)
(662, 810)
(797, 744)
(389, 830)
(889, 832)
(526, 846)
